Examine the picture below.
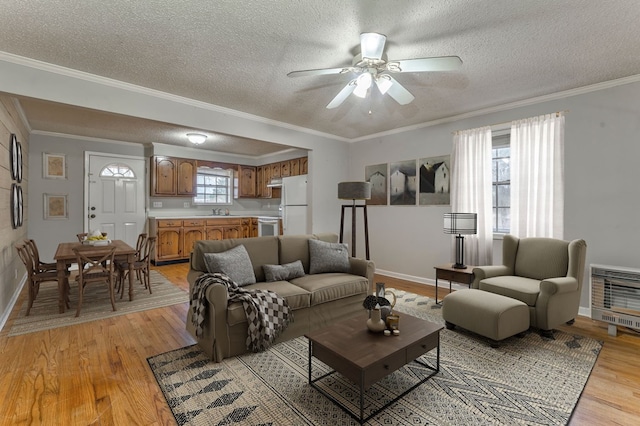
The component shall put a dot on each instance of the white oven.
(268, 226)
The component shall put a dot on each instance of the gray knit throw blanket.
(268, 314)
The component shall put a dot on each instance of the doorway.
(115, 195)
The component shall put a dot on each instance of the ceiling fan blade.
(344, 94)
(321, 71)
(399, 93)
(441, 63)
(372, 45)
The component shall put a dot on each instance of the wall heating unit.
(615, 296)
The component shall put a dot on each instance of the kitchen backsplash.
(184, 206)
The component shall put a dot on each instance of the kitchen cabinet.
(275, 170)
(169, 243)
(295, 166)
(304, 165)
(260, 185)
(192, 231)
(172, 176)
(246, 181)
(223, 228)
(285, 169)
(254, 227)
(245, 224)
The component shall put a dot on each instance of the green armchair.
(544, 273)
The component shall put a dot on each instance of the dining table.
(65, 256)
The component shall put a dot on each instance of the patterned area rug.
(529, 380)
(96, 305)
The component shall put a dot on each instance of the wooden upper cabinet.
(260, 185)
(247, 182)
(285, 169)
(173, 177)
(275, 170)
(295, 166)
(186, 179)
(304, 165)
(164, 172)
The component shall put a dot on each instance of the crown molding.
(81, 75)
(23, 117)
(512, 105)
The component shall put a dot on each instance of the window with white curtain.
(501, 183)
(214, 186)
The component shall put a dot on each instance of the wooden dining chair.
(98, 267)
(81, 236)
(121, 261)
(142, 266)
(30, 245)
(35, 276)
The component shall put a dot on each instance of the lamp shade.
(460, 223)
(354, 190)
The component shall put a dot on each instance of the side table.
(449, 273)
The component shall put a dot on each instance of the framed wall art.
(15, 160)
(55, 206)
(54, 166)
(434, 180)
(402, 183)
(376, 175)
(17, 209)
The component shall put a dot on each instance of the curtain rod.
(557, 113)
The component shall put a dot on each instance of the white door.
(115, 199)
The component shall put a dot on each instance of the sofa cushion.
(524, 289)
(328, 257)
(332, 286)
(234, 262)
(284, 272)
(296, 297)
(262, 251)
(294, 247)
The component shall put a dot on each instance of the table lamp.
(461, 224)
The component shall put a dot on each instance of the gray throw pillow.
(328, 257)
(285, 272)
(234, 262)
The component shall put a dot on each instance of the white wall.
(602, 148)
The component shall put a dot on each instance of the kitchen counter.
(232, 216)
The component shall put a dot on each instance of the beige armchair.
(544, 273)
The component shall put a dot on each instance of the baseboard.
(582, 311)
(12, 302)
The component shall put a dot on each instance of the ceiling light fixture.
(363, 83)
(196, 138)
(384, 83)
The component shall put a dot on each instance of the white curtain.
(537, 176)
(471, 187)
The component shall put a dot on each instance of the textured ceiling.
(236, 54)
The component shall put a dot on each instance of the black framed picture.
(13, 152)
(19, 164)
(20, 207)
(15, 206)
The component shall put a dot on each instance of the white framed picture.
(55, 206)
(54, 166)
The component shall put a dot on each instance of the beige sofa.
(315, 300)
(544, 273)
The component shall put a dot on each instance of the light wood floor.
(97, 373)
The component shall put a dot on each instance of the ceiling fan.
(370, 66)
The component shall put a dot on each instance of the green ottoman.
(488, 314)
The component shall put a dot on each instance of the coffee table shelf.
(364, 358)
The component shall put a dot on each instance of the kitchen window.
(214, 186)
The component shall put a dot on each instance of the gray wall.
(602, 148)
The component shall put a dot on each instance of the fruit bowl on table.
(97, 242)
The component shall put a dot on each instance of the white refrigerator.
(294, 205)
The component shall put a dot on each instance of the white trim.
(12, 302)
(21, 114)
(81, 75)
(525, 102)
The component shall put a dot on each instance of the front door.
(115, 199)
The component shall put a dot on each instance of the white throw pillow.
(234, 263)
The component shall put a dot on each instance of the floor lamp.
(355, 191)
(460, 223)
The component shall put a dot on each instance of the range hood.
(275, 183)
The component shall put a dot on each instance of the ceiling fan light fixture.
(384, 83)
(196, 138)
(363, 83)
(372, 45)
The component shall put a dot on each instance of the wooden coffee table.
(363, 357)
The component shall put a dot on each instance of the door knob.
(93, 208)
(92, 216)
